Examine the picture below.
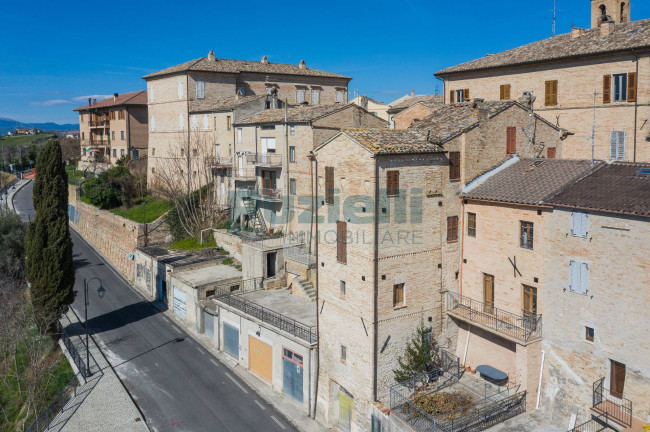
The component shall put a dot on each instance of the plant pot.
(468, 369)
(473, 371)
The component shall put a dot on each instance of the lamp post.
(100, 292)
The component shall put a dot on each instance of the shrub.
(111, 188)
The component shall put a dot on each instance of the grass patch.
(155, 208)
(192, 243)
(26, 140)
(227, 261)
(75, 176)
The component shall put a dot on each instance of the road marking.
(200, 350)
(166, 319)
(259, 404)
(236, 383)
(278, 422)
(214, 363)
(176, 328)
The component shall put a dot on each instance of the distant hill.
(7, 124)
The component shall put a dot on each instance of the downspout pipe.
(539, 384)
(444, 92)
(375, 354)
(314, 213)
(636, 102)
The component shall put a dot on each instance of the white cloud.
(85, 98)
(52, 102)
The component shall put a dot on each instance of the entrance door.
(180, 308)
(345, 412)
(616, 378)
(530, 301)
(268, 180)
(270, 264)
(488, 293)
(260, 358)
(208, 324)
(292, 368)
(231, 340)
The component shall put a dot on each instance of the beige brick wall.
(577, 81)
(406, 118)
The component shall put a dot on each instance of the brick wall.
(406, 118)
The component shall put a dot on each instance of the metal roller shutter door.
(231, 340)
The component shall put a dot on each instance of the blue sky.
(54, 54)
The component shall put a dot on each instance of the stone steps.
(306, 287)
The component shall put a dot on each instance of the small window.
(471, 224)
(550, 152)
(181, 122)
(195, 122)
(292, 130)
(122, 152)
(505, 92)
(240, 135)
(200, 89)
(153, 151)
(83, 136)
(180, 90)
(339, 96)
(526, 240)
(113, 135)
(452, 228)
(228, 122)
(206, 121)
(454, 165)
(152, 94)
(300, 96)
(292, 154)
(620, 87)
(511, 140)
(292, 186)
(398, 295)
(122, 135)
(114, 153)
(315, 97)
(460, 95)
(342, 289)
(152, 124)
(589, 334)
(392, 183)
(550, 93)
(344, 353)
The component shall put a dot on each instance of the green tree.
(420, 355)
(12, 245)
(50, 268)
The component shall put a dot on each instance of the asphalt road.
(176, 383)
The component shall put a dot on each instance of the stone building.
(398, 106)
(174, 93)
(415, 112)
(604, 71)
(380, 109)
(114, 127)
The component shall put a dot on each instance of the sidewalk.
(102, 404)
(10, 196)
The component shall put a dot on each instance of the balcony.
(98, 123)
(264, 194)
(268, 160)
(520, 328)
(222, 162)
(617, 409)
(247, 173)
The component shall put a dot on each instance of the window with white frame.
(240, 135)
(315, 97)
(579, 224)
(460, 95)
(300, 96)
(180, 90)
(292, 154)
(292, 130)
(579, 277)
(206, 121)
(617, 145)
(268, 145)
(200, 89)
(195, 123)
(339, 96)
(152, 123)
(620, 87)
(181, 121)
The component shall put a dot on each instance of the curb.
(15, 192)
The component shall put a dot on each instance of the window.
(83, 135)
(195, 123)
(526, 240)
(589, 334)
(182, 152)
(292, 154)
(511, 140)
(454, 165)
(267, 127)
(181, 122)
(195, 152)
(452, 228)
(617, 145)
(620, 87)
(300, 96)
(471, 224)
(342, 289)
(153, 123)
(113, 135)
(240, 135)
(315, 97)
(153, 151)
(344, 354)
(398, 295)
(578, 277)
(550, 93)
(200, 89)
(136, 154)
(180, 90)
(579, 224)
(392, 183)
(268, 145)
(206, 121)
(152, 94)
(505, 92)
(292, 130)
(341, 243)
(122, 152)
(228, 122)
(529, 296)
(329, 185)
(339, 96)
(550, 153)
(114, 153)
(122, 135)
(459, 95)
(292, 186)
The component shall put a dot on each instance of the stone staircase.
(306, 287)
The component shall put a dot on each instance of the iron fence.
(482, 414)
(241, 286)
(597, 423)
(42, 421)
(523, 328)
(268, 159)
(79, 361)
(614, 406)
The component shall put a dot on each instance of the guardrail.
(597, 423)
(523, 328)
(240, 287)
(618, 409)
(42, 421)
(267, 159)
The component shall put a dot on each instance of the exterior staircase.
(256, 219)
(306, 287)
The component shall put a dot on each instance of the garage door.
(180, 308)
(231, 340)
(345, 412)
(208, 324)
(260, 358)
(292, 368)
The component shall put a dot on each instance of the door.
(616, 378)
(260, 358)
(268, 147)
(530, 307)
(240, 164)
(345, 411)
(268, 181)
(208, 324)
(163, 287)
(180, 308)
(292, 368)
(270, 264)
(488, 293)
(231, 340)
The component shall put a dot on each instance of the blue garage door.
(292, 374)
(231, 340)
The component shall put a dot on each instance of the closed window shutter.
(392, 183)
(180, 90)
(205, 121)
(195, 122)
(329, 185)
(575, 223)
(454, 165)
(451, 96)
(574, 276)
(341, 245)
(607, 89)
(554, 92)
(466, 94)
(507, 95)
(584, 278)
(584, 224)
(631, 87)
(547, 93)
(511, 140)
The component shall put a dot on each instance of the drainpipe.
(636, 103)
(444, 91)
(187, 107)
(376, 290)
(128, 131)
(285, 162)
(312, 158)
(539, 384)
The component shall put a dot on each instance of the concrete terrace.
(283, 302)
(206, 275)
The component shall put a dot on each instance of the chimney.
(211, 55)
(412, 93)
(94, 101)
(265, 60)
(576, 32)
(302, 64)
(607, 27)
(478, 110)
(90, 101)
(115, 95)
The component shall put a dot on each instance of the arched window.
(603, 10)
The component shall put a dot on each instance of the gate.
(231, 340)
(208, 324)
(180, 308)
(345, 411)
(292, 368)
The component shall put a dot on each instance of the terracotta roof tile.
(625, 37)
(295, 114)
(226, 104)
(392, 141)
(133, 98)
(428, 99)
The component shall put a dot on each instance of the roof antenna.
(555, 11)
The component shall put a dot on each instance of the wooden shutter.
(631, 87)
(398, 294)
(451, 96)
(505, 92)
(550, 153)
(452, 228)
(329, 185)
(466, 94)
(607, 89)
(550, 93)
(392, 183)
(454, 165)
(341, 245)
(511, 140)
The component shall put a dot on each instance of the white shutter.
(613, 141)
(153, 123)
(620, 149)
(584, 225)
(181, 122)
(206, 121)
(575, 223)
(239, 135)
(200, 89)
(574, 276)
(180, 90)
(584, 278)
(195, 122)
(152, 95)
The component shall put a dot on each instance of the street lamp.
(100, 291)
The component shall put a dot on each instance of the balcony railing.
(99, 122)
(265, 159)
(222, 162)
(245, 173)
(597, 423)
(618, 409)
(265, 194)
(523, 328)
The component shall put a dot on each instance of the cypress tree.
(419, 355)
(50, 268)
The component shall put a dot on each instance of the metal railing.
(523, 328)
(223, 161)
(79, 361)
(42, 421)
(597, 423)
(267, 194)
(477, 417)
(99, 122)
(239, 287)
(246, 173)
(267, 159)
(282, 322)
(618, 409)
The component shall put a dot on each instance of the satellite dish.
(131, 256)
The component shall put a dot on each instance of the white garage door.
(179, 303)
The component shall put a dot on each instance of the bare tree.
(71, 148)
